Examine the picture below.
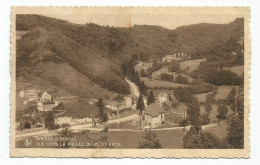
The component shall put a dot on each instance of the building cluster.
(43, 100)
(118, 105)
(153, 115)
(175, 56)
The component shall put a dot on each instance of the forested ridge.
(106, 54)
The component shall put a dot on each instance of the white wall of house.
(46, 97)
(154, 121)
(162, 99)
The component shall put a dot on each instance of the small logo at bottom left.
(28, 142)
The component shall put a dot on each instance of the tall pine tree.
(151, 98)
(102, 116)
(222, 112)
(140, 104)
(49, 121)
(143, 88)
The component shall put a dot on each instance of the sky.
(170, 21)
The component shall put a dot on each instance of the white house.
(163, 97)
(22, 94)
(114, 105)
(153, 115)
(176, 56)
(168, 58)
(45, 97)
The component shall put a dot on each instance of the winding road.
(133, 88)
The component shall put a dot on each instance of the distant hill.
(101, 53)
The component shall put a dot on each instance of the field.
(152, 83)
(82, 109)
(192, 64)
(156, 74)
(239, 70)
(125, 125)
(201, 97)
(218, 130)
(173, 118)
(128, 140)
(223, 91)
(214, 112)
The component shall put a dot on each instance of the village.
(152, 116)
(151, 105)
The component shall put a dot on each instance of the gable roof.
(162, 94)
(45, 94)
(153, 110)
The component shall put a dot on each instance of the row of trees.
(179, 79)
(216, 76)
(197, 138)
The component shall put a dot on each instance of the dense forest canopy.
(107, 54)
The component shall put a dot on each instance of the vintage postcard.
(130, 82)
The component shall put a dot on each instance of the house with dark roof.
(153, 115)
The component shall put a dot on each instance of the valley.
(94, 81)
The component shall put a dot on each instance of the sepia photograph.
(160, 81)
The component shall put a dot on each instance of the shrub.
(181, 80)
(183, 123)
(105, 130)
(166, 77)
(56, 126)
(65, 125)
(205, 119)
(174, 66)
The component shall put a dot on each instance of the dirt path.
(75, 127)
(133, 88)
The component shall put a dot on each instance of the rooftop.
(162, 94)
(153, 109)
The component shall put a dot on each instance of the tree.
(194, 117)
(181, 80)
(49, 121)
(149, 72)
(166, 77)
(174, 66)
(182, 94)
(150, 141)
(203, 140)
(137, 78)
(151, 98)
(102, 116)
(27, 125)
(140, 104)
(66, 134)
(231, 99)
(235, 135)
(143, 88)
(222, 112)
(142, 73)
(156, 65)
(205, 119)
